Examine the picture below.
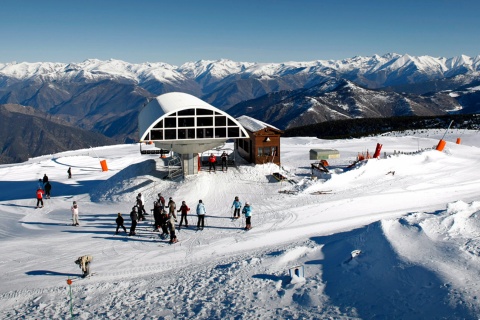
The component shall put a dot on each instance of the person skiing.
(141, 207)
(69, 172)
(40, 184)
(201, 212)
(84, 264)
(40, 193)
(247, 211)
(237, 205)
(48, 187)
(211, 163)
(45, 179)
(224, 157)
(120, 222)
(172, 218)
(184, 209)
(75, 214)
(134, 218)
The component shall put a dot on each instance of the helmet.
(247, 203)
(236, 198)
(74, 202)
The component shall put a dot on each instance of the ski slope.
(417, 230)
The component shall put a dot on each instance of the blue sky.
(180, 31)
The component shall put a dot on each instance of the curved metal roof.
(185, 124)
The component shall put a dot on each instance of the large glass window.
(156, 134)
(220, 132)
(208, 133)
(260, 151)
(171, 122)
(187, 112)
(204, 122)
(233, 132)
(204, 112)
(159, 125)
(170, 134)
(186, 122)
(220, 121)
(200, 133)
(182, 134)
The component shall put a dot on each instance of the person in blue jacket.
(237, 205)
(201, 215)
(247, 211)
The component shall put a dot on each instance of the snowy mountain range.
(106, 96)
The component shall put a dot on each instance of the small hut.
(263, 144)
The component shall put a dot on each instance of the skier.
(172, 218)
(141, 207)
(237, 205)
(224, 157)
(40, 184)
(184, 209)
(119, 222)
(48, 187)
(134, 218)
(84, 264)
(201, 212)
(75, 214)
(157, 215)
(247, 211)
(45, 179)
(69, 171)
(211, 163)
(40, 193)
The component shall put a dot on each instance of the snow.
(417, 233)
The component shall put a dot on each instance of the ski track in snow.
(418, 259)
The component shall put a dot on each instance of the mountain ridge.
(106, 96)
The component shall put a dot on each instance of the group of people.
(165, 216)
(247, 211)
(212, 160)
(43, 190)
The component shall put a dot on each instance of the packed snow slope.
(413, 216)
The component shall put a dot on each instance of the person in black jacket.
(157, 214)
(224, 158)
(119, 222)
(134, 217)
(48, 187)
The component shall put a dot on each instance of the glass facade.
(195, 123)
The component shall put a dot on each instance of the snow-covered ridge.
(223, 68)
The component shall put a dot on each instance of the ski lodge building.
(263, 144)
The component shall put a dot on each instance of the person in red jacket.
(40, 193)
(211, 163)
(184, 208)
